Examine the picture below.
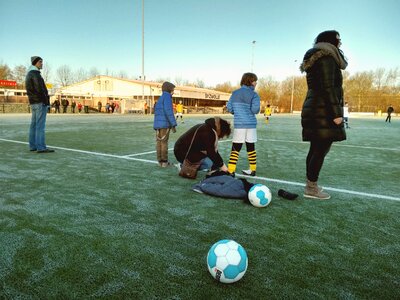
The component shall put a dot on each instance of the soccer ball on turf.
(260, 195)
(227, 261)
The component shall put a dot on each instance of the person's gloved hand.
(173, 129)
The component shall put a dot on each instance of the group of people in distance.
(322, 118)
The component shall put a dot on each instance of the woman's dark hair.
(248, 79)
(225, 128)
(329, 36)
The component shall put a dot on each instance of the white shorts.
(178, 115)
(241, 135)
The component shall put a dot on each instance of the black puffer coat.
(324, 100)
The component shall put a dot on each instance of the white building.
(131, 95)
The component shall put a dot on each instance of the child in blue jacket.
(244, 104)
(164, 121)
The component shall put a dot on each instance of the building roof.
(148, 83)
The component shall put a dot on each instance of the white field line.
(144, 153)
(87, 152)
(334, 144)
(238, 175)
(325, 188)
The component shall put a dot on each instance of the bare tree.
(378, 78)
(392, 76)
(19, 74)
(122, 74)
(180, 81)
(358, 87)
(300, 92)
(199, 83)
(64, 75)
(94, 72)
(5, 71)
(46, 71)
(268, 89)
(80, 75)
(225, 87)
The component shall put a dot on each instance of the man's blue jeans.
(38, 124)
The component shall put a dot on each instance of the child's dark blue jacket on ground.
(225, 186)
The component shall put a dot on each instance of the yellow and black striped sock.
(233, 161)
(252, 155)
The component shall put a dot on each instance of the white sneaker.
(249, 172)
(197, 190)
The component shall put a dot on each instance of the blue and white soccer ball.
(227, 261)
(260, 195)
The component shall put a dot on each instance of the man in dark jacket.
(39, 102)
(56, 105)
(322, 113)
(201, 141)
(390, 110)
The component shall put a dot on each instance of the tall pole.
(252, 55)
(291, 98)
(142, 49)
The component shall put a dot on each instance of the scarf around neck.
(334, 52)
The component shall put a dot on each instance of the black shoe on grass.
(45, 151)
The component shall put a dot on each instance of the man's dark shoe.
(45, 151)
(32, 150)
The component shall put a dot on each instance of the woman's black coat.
(324, 100)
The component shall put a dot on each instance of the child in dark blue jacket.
(164, 121)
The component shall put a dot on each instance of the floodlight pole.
(291, 98)
(252, 56)
(142, 49)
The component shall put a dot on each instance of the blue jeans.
(38, 124)
(206, 163)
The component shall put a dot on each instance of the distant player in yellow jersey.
(267, 113)
(179, 111)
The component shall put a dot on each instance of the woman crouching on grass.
(199, 145)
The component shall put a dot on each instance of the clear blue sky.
(210, 40)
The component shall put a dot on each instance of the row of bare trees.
(368, 91)
(364, 91)
(64, 75)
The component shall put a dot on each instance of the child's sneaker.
(249, 172)
(178, 166)
(197, 190)
(165, 164)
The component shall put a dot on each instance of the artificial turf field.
(99, 219)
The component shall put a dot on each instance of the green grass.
(76, 225)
